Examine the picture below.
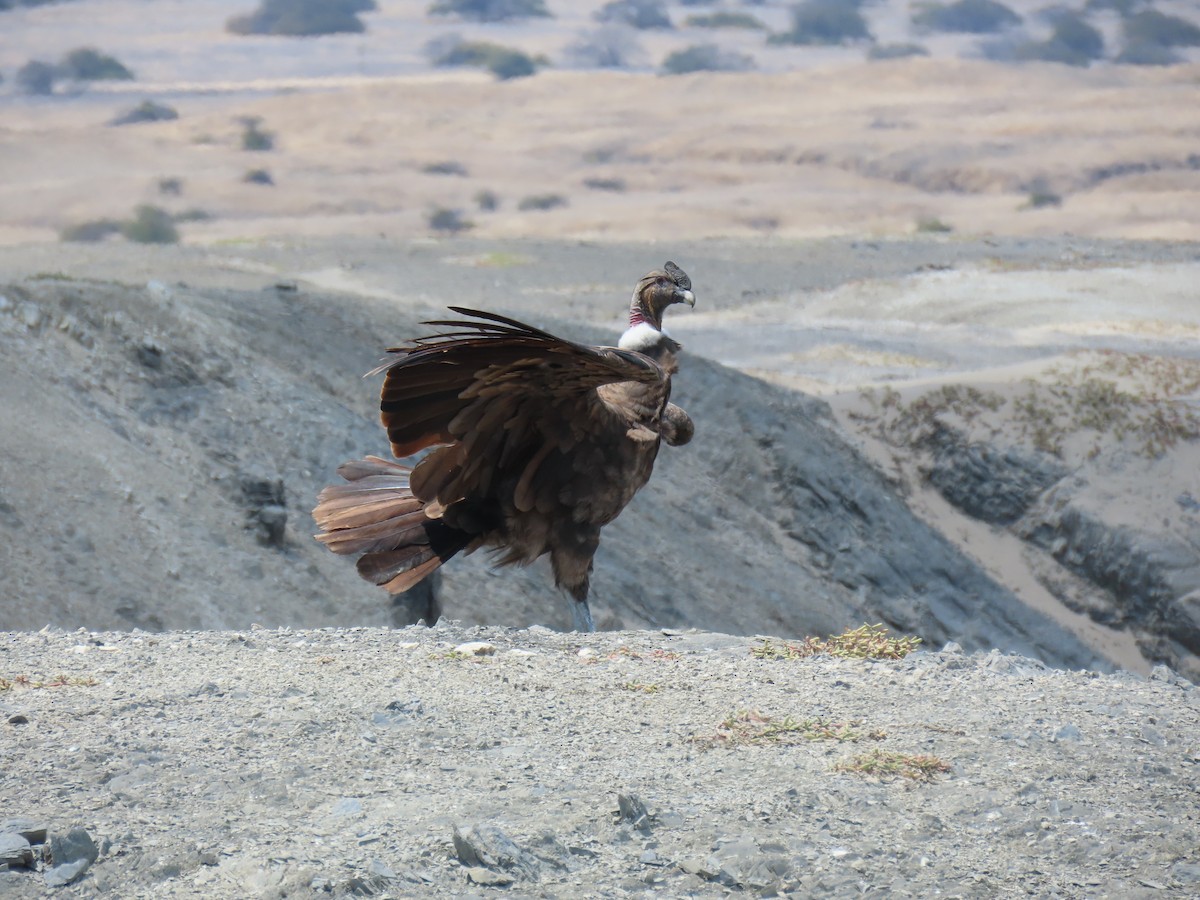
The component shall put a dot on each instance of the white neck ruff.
(641, 336)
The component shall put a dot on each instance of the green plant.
(303, 18)
(864, 642)
(36, 78)
(970, 16)
(490, 10)
(640, 687)
(1040, 199)
(253, 137)
(89, 64)
(723, 19)
(615, 185)
(541, 202)
(170, 187)
(150, 225)
(146, 111)
(446, 167)
(932, 225)
(258, 176)
(194, 214)
(90, 232)
(705, 58)
(487, 201)
(1154, 28)
(1138, 53)
(503, 62)
(450, 221)
(635, 13)
(896, 51)
(753, 728)
(24, 681)
(824, 22)
(890, 764)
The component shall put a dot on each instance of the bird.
(534, 443)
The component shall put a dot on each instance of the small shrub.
(1120, 7)
(635, 13)
(146, 111)
(1072, 31)
(303, 18)
(89, 64)
(487, 201)
(890, 764)
(450, 221)
(490, 10)
(896, 51)
(170, 187)
(1154, 28)
(724, 19)
(503, 62)
(253, 137)
(1040, 199)
(969, 16)
(615, 185)
(541, 202)
(150, 225)
(259, 176)
(819, 22)
(195, 214)
(706, 58)
(90, 232)
(1143, 54)
(36, 78)
(607, 47)
(932, 225)
(447, 167)
(1047, 51)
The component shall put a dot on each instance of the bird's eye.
(660, 281)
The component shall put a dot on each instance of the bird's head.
(658, 290)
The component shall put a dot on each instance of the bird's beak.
(686, 297)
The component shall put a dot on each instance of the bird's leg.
(582, 615)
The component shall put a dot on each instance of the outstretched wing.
(512, 402)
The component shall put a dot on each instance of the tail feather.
(376, 515)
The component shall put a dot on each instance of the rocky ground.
(457, 761)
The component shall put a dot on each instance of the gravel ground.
(344, 761)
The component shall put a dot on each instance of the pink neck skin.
(636, 317)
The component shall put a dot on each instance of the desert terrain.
(945, 370)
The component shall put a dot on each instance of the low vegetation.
(606, 47)
(726, 19)
(303, 18)
(864, 642)
(487, 201)
(90, 232)
(253, 137)
(503, 62)
(445, 167)
(932, 225)
(490, 10)
(615, 185)
(753, 728)
(150, 225)
(1147, 402)
(146, 111)
(706, 58)
(541, 202)
(36, 78)
(25, 681)
(879, 763)
(89, 64)
(967, 16)
(896, 51)
(448, 221)
(635, 13)
(824, 22)
(258, 176)
(1152, 28)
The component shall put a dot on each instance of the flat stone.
(15, 850)
(476, 648)
(487, 878)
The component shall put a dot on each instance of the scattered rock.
(15, 850)
(631, 809)
(491, 848)
(487, 878)
(476, 648)
(70, 856)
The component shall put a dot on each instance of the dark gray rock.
(993, 484)
(15, 850)
(70, 856)
(491, 848)
(632, 810)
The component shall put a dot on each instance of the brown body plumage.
(538, 442)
